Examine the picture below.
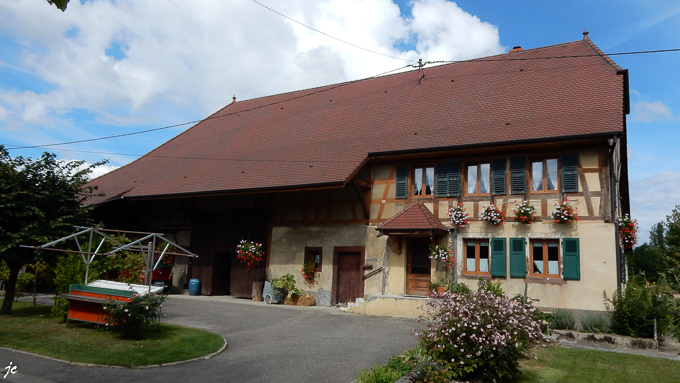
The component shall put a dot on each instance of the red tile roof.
(416, 217)
(322, 136)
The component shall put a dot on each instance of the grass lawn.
(562, 365)
(30, 328)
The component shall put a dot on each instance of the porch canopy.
(413, 220)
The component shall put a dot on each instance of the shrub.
(131, 317)
(484, 284)
(459, 288)
(594, 323)
(563, 319)
(379, 374)
(632, 312)
(132, 269)
(476, 336)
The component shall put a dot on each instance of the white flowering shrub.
(478, 336)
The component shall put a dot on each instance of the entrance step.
(387, 305)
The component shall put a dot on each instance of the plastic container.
(194, 287)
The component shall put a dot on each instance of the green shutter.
(498, 263)
(402, 182)
(518, 263)
(570, 173)
(453, 187)
(441, 174)
(570, 256)
(498, 176)
(518, 175)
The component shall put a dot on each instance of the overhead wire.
(327, 35)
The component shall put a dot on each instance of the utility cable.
(326, 34)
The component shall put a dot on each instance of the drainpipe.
(614, 199)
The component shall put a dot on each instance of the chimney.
(515, 49)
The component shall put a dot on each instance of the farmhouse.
(361, 176)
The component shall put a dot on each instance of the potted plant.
(492, 214)
(458, 216)
(563, 212)
(525, 212)
(628, 230)
(249, 253)
(286, 285)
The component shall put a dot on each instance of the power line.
(338, 86)
(326, 34)
(207, 118)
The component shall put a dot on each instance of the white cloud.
(184, 60)
(653, 198)
(645, 111)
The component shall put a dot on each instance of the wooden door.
(348, 275)
(418, 267)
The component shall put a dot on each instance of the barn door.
(418, 267)
(348, 273)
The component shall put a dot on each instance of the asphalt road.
(267, 343)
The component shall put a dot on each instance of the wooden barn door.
(348, 271)
(418, 267)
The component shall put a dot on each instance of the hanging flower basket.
(564, 212)
(492, 214)
(250, 253)
(309, 271)
(443, 254)
(628, 230)
(525, 212)
(458, 216)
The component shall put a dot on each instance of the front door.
(349, 272)
(418, 267)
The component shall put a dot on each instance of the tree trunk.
(10, 288)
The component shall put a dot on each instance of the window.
(545, 258)
(478, 179)
(544, 175)
(314, 253)
(423, 181)
(476, 257)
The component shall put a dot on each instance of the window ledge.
(472, 276)
(549, 281)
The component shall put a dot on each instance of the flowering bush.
(628, 230)
(564, 212)
(525, 212)
(250, 253)
(478, 336)
(131, 317)
(309, 271)
(492, 214)
(132, 269)
(458, 216)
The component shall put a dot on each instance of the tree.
(61, 4)
(41, 200)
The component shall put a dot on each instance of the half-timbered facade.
(361, 175)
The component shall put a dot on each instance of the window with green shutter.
(498, 263)
(402, 182)
(518, 264)
(447, 175)
(517, 175)
(571, 259)
(570, 173)
(498, 176)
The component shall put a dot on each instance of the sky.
(107, 67)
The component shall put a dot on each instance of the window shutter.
(498, 263)
(518, 175)
(402, 178)
(570, 258)
(441, 173)
(453, 189)
(518, 263)
(570, 173)
(498, 177)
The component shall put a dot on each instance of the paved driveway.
(267, 343)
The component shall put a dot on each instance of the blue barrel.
(194, 287)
